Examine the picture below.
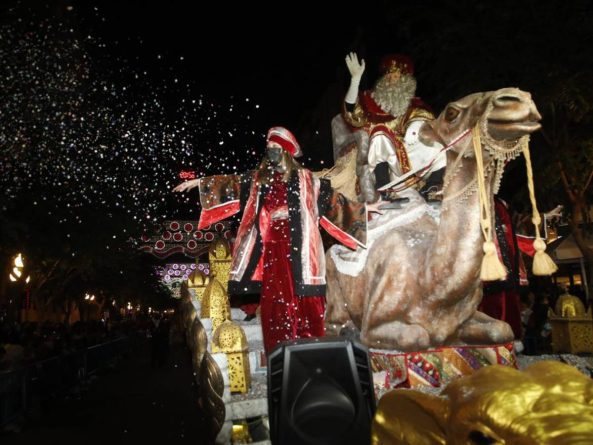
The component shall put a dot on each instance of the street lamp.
(18, 264)
(16, 276)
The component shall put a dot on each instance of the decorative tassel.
(492, 268)
(542, 263)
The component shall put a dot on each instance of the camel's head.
(505, 114)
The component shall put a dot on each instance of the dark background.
(288, 58)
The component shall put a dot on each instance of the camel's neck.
(458, 245)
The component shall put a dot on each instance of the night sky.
(281, 60)
(200, 83)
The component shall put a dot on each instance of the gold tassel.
(492, 268)
(542, 263)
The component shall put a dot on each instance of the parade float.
(410, 297)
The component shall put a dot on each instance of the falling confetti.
(85, 130)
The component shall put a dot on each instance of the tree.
(545, 48)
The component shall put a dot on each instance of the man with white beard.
(392, 116)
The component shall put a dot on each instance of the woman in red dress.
(278, 250)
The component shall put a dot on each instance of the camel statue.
(417, 285)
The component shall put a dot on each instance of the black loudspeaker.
(320, 391)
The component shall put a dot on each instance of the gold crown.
(396, 64)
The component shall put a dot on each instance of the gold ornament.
(241, 433)
(197, 281)
(219, 256)
(215, 304)
(230, 338)
(572, 326)
(550, 403)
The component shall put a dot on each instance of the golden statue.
(572, 326)
(549, 403)
(230, 339)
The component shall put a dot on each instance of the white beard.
(394, 96)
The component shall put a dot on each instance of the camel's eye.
(451, 114)
(479, 438)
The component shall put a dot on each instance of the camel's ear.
(405, 416)
(427, 135)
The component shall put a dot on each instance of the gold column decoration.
(219, 255)
(211, 391)
(197, 281)
(230, 339)
(215, 304)
(572, 326)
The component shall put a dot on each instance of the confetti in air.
(82, 131)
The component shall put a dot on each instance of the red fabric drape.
(504, 303)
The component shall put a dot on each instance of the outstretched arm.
(356, 69)
(187, 185)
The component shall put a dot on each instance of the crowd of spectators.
(29, 342)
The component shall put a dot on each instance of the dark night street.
(132, 403)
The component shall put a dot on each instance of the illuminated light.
(18, 261)
(187, 174)
(86, 296)
(28, 279)
(12, 278)
(17, 272)
(92, 298)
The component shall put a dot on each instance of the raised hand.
(355, 67)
